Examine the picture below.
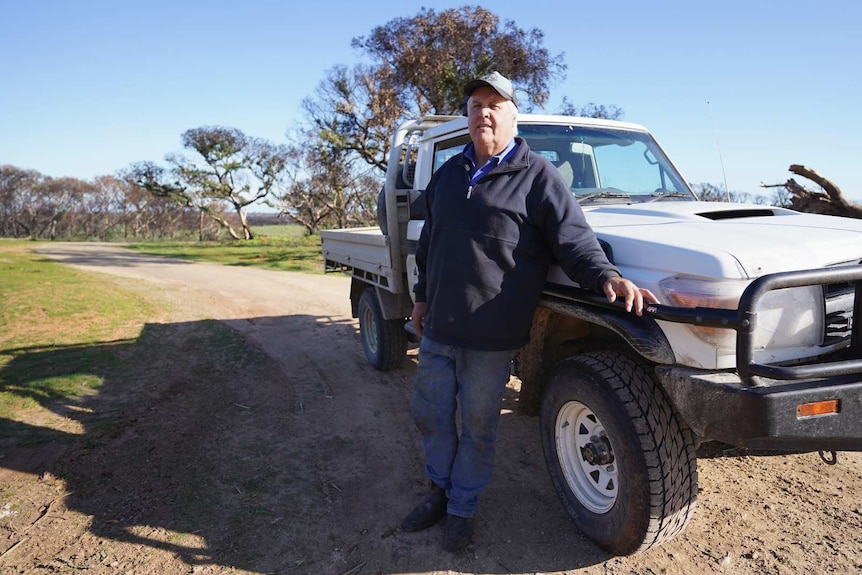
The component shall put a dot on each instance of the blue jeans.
(463, 465)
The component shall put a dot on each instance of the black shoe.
(459, 533)
(429, 512)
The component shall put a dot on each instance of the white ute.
(753, 344)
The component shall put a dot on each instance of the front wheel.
(384, 341)
(622, 463)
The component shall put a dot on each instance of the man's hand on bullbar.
(633, 295)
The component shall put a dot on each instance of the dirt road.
(306, 463)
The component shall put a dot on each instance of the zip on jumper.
(478, 177)
(479, 172)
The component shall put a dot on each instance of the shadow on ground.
(200, 450)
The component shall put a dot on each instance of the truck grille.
(839, 299)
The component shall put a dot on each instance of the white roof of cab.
(450, 124)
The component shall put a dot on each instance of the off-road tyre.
(612, 405)
(383, 341)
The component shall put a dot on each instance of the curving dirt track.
(307, 460)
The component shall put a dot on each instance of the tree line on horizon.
(330, 170)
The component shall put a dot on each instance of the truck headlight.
(786, 318)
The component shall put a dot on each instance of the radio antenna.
(720, 158)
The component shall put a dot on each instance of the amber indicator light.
(827, 407)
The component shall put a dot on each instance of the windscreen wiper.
(603, 195)
(660, 195)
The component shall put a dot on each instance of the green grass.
(42, 302)
(60, 331)
(285, 248)
(280, 231)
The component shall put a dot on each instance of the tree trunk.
(243, 220)
(225, 224)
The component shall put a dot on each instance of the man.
(496, 216)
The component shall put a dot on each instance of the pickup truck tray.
(364, 252)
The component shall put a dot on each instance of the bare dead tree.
(830, 201)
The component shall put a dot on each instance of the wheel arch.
(392, 305)
(562, 329)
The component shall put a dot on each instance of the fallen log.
(830, 201)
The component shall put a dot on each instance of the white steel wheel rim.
(595, 486)
(369, 333)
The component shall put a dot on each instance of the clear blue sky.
(89, 86)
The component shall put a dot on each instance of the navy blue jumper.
(484, 252)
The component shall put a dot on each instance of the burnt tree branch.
(830, 202)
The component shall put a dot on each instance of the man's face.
(491, 119)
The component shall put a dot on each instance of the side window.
(445, 150)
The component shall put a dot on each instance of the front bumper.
(719, 406)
